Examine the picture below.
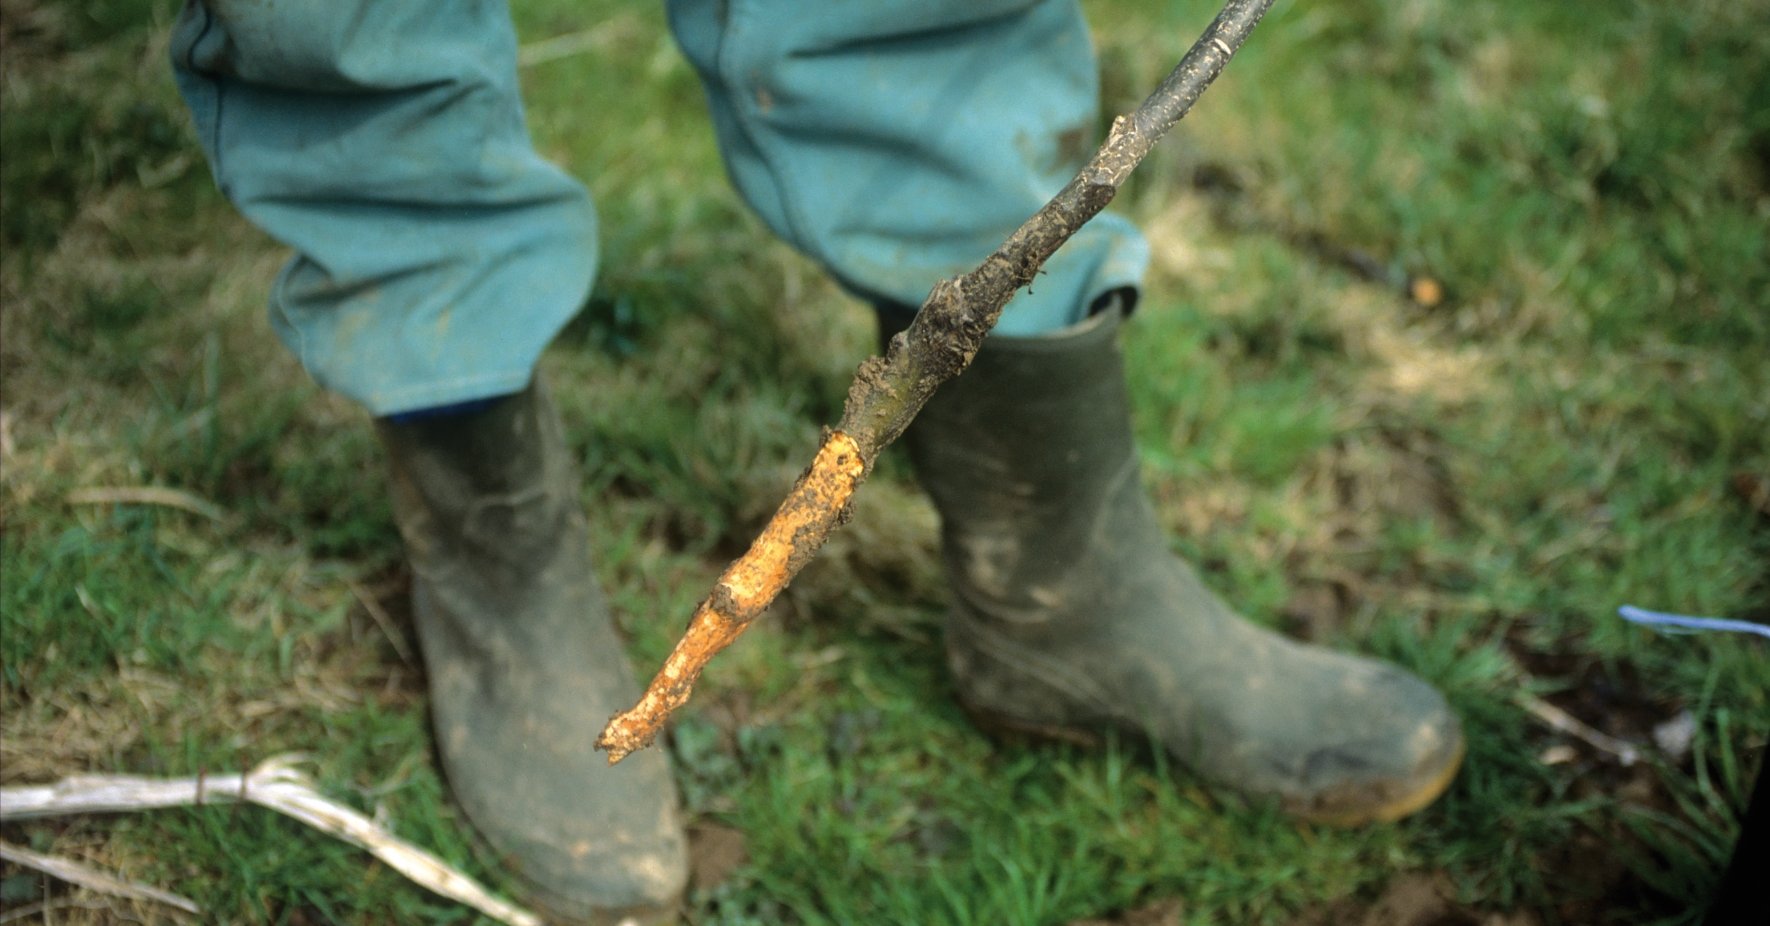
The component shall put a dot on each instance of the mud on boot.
(524, 664)
(1071, 615)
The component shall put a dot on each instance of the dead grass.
(1469, 488)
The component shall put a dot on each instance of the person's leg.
(524, 664)
(901, 143)
(436, 255)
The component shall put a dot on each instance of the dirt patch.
(1317, 610)
(1362, 484)
(1594, 873)
(1611, 698)
(715, 851)
(1416, 899)
(1394, 473)
(1159, 913)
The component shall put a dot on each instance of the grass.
(1469, 488)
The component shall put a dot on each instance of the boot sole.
(1337, 813)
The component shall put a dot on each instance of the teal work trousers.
(436, 253)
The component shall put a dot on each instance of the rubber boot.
(1072, 617)
(525, 666)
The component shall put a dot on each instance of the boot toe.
(1398, 747)
(617, 856)
(607, 878)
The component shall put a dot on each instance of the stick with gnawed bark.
(888, 392)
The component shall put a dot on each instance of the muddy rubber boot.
(1071, 616)
(524, 664)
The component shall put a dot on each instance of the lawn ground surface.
(1455, 340)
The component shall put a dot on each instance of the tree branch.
(887, 392)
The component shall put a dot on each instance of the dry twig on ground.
(86, 876)
(275, 784)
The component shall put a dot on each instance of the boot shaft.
(494, 486)
(1031, 441)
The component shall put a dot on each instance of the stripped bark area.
(888, 391)
(816, 504)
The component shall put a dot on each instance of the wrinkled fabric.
(437, 254)
(899, 143)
